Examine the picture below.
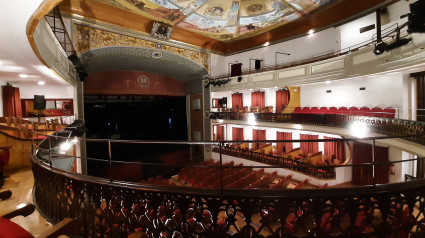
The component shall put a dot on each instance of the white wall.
(304, 47)
(382, 91)
(49, 92)
(1, 98)
(350, 32)
(218, 65)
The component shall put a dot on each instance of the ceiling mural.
(223, 20)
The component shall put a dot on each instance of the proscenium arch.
(124, 58)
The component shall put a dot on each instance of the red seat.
(343, 110)
(314, 110)
(376, 112)
(389, 112)
(353, 111)
(365, 111)
(306, 110)
(333, 110)
(12, 230)
(298, 110)
(324, 110)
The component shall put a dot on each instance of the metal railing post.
(221, 166)
(373, 163)
(110, 161)
(50, 152)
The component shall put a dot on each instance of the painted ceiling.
(223, 20)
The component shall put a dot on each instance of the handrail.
(319, 57)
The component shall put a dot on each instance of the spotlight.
(239, 79)
(380, 48)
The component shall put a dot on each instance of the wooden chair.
(9, 229)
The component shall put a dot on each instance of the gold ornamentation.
(91, 38)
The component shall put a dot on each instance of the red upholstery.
(306, 110)
(9, 229)
(376, 112)
(333, 110)
(298, 110)
(353, 111)
(365, 111)
(324, 110)
(343, 110)
(314, 110)
(388, 112)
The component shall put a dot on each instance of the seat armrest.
(25, 210)
(67, 226)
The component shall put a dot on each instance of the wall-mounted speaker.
(39, 102)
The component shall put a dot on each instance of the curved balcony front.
(199, 199)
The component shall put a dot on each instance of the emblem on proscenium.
(143, 81)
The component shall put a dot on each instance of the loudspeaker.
(257, 64)
(236, 69)
(39, 102)
(75, 60)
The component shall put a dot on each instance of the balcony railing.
(384, 126)
(108, 206)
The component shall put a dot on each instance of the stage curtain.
(282, 100)
(363, 175)
(220, 133)
(309, 147)
(283, 147)
(257, 100)
(11, 102)
(237, 101)
(258, 135)
(336, 148)
(237, 134)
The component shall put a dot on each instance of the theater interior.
(212, 118)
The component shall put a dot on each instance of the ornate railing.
(384, 126)
(109, 207)
(323, 172)
(115, 209)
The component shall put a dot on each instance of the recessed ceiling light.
(267, 43)
(41, 83)
(275, 87)
(0, 63)
(250, 89)
(310, 32)
(328, 82)
(23, 76)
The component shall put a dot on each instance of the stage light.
(380, 48)
(239, 79)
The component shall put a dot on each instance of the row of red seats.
(158, 180)
(282, 183)
(363, 111)
(247, 180)
(264, 181)
(301, 184)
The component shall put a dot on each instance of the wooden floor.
(21, 183)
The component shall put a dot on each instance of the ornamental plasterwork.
(90, 38)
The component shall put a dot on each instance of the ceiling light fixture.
(310, 32)
(23, 76)
(41, 83)
(267, 43)
(328, 82)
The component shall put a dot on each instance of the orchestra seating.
(234, 176)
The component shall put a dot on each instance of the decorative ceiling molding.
(88, 38)
(124, 58)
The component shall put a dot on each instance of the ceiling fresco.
(223, 20)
